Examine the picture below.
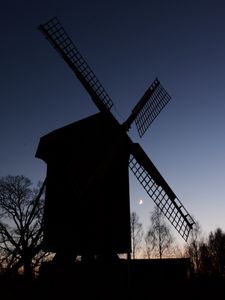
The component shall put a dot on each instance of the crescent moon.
(140, 201)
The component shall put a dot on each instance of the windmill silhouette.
(87, 208)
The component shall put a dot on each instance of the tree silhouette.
(193, 246)
(216, 252)
(136, 234)
(159, 237)
(21, 210)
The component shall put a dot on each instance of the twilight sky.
(127, 44)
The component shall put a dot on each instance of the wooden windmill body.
(87, 189)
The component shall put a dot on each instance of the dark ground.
(118, 280)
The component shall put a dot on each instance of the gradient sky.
(127, 44)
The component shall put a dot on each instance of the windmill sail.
(57, 36)
(148, 107)
(159, 191)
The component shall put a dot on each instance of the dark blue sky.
(127, 44)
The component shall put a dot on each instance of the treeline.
(21, 233)
(206, 253)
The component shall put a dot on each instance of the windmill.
(87, 206)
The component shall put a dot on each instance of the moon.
(140, 201)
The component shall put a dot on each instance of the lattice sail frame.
(170, 205)
(58, 37)
(158, 98)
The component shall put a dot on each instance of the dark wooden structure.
(87, 205)
(87, 190)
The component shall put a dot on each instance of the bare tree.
(193, 246)
(21, 210)
(136, 234)
(158, 238)
(150, 243)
